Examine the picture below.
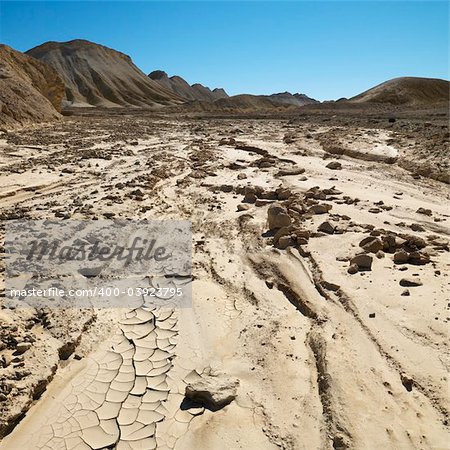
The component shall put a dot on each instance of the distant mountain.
(239, 104)
(182, 88)
(95, 75)
(30, 91)
(291, 99)
(406, 91)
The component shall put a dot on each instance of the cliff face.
(30, 91)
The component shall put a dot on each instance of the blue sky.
(324, 49)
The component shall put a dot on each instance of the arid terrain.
(320, 284)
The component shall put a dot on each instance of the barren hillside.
(99, 76)
(30, 91)
(407, 91)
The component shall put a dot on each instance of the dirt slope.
(30, 91)
(182, 88)
(407, 91)
(99, 76)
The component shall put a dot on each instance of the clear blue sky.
(324, 49)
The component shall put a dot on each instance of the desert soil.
(312, 356)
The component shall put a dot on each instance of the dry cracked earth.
(320, 288)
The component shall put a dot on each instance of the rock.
(406, 293)
(283, 194)
(379, 254)
(371, 244)
(261, 202)
(278, 217)
(243, 207)
(241, 176)
(372, 316)
(249, 197)
(213, 392)
(287, 172)
(330, 286)
(226, 188)
(416, 227)
(22, 347)
(426, 212)
(284, 231)
(326, 227)
(334, 165)
(322, 208)
(401, 257)
(374, 210)
(284, 242)
(419, 258)
(353, 269)
(410, 282)
(363, 262)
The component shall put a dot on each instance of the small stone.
(406, 293)
(22, 347)
(371, 244)
(242, 176)
(372, 315)
(353, 269)
(284, 242)
(426, 212)
(326, 227)
(363, 261)
(334, 165)
(277, 216)
(379, 254)
(243, 207)
(411, 282)
(401, 257)
(226, 188)
(322, 208)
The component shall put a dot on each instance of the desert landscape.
(320, 243)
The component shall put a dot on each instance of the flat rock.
(410, 282)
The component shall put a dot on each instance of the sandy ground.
(324, 359)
